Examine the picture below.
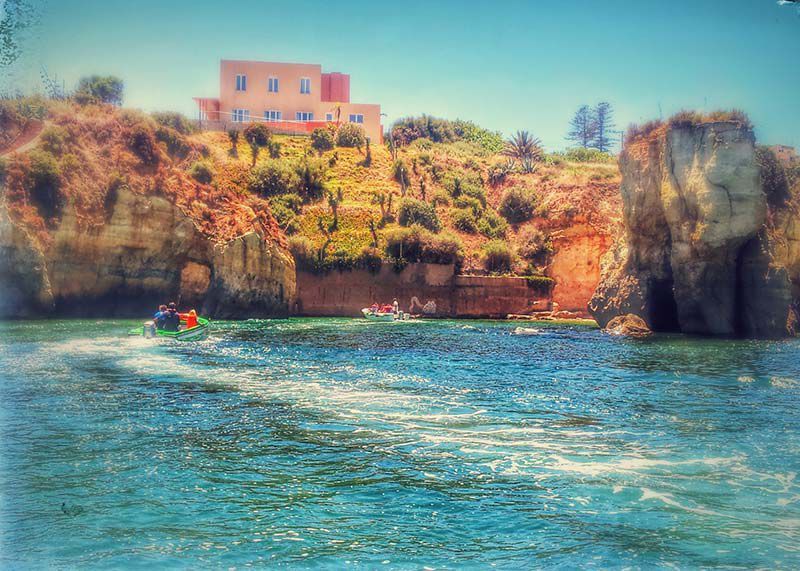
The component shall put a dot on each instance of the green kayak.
(149, 330)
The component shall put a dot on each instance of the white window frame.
(304, 116)
(240, 115)
(305, 82)
(357, 118)
(241, 82)
(273, 115)
(273, 81)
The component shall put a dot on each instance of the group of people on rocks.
(167, 318)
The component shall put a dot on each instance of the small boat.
(378, 315)
(149, 331)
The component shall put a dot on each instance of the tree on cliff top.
(604, 119)
(100, 89)
(583, 127)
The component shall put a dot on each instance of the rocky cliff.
(147, 252)
(104, 217)
(704, 250)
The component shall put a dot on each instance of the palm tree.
(526, 149)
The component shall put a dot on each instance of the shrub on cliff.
(3, 169)
(257, 134)
(417, 244)
(285, 208)
(311, 177)
(273, 177)
(173, 120)
(492, 226)
(202, 172)
(497, 257)
(534, 246)
(350, 135)
(55, 140)
(412, 211)
(464, 220)
(773, 177)
(176, 144)
(686, 118)
(44, 182)
(518, 204)
(100, 89)
(498, 173)
(304, 253)
(322, 139)
(143, 144)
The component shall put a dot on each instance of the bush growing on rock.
(464, 220)
(257, 134)
(412, 211)
(534, 246)
(518, 204)
(440, 198)
(417, 244)
(322, 139)
(304, 253)
(175, 142)
(273, 177)
(54, 140)
(202, 172)
(285, 208)
(173, 120)
(497, 257)
(492, 226)
(773, 177)
(311, 176)
(143, 144)
(350, 135)
(45, 184)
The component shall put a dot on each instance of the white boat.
(379, 315)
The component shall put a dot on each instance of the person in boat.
(158, 318)
(172, 319)
(395, 307)
(190, 318)
(374, 308)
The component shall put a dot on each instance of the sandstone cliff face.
(575, 265)
(147, 252)
(697, 254)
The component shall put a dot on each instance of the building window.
(241, 82)
(356, 118)
(329, 116)
(240, 115)
(272, 85)
(304, 116)
(305, 85)
(272, 115)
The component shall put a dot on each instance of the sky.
(506, 65)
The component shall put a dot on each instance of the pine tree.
(604, 119)
(583, 127)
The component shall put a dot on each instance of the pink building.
(290, 97)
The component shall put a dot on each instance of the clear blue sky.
(506, 65)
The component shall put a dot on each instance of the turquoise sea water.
(319, 443)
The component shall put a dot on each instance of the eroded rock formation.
(147, 251)
(702, 252)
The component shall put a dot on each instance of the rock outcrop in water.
(148, 250)
(705, 250)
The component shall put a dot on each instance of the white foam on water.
(526, 331)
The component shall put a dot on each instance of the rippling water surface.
(335, 442)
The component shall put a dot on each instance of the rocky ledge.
(710, 244)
